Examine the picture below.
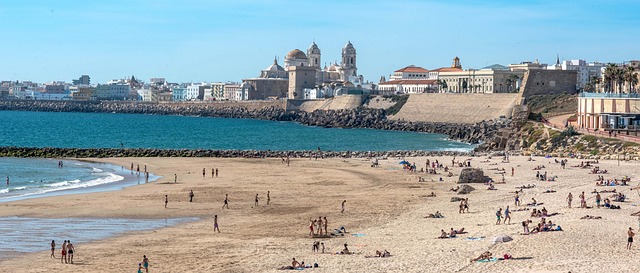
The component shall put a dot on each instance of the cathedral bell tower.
(348, 64)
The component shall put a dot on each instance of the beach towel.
(474, 238)
(358, 234)
(487, 260)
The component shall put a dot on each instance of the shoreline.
(127, 180)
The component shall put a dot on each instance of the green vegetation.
(399, 100)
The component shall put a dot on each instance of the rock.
(466, 189)
(472, 175)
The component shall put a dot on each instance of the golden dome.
(296, 54)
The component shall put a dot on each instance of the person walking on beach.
(138, 169)
(507, 215)
(630, 233)
(569, 199)
(215, 224)
(517, 202)
(166, 200)
(583, 202)
(70, 251)
(343, 203)
(53, 249)
(175, 178)
(191, 196)
(226, 201)
(268, 197)
(203, 172)
(131, 167)
(325, 222)
(498, 216)
(256, 201)
(216, 172)
(63, 258)
(512, 171)
(7, 181)
(145, 263)
(213, 172)
(320, 225)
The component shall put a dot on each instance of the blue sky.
(200, 40)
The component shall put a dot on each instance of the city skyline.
(194, 41)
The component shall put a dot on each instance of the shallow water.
(21, 234)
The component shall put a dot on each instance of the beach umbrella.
(404, 162)
(502, 239)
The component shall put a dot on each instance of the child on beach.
(145, 263)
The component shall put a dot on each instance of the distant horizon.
(214, 41)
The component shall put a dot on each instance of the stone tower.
(456, 63)
(300, 78)
(313, 53)
(348, 65)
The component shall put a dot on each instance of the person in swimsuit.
(145, 263)
(191, 196)
(166, 200)
(256, 200)
(320, 225)
(311, 225)
(70, 251)
(325, 222)
(215, 224)
(343, 202)
(507, 215)
(630, 239)
(63, 258)
(175, 178)
(498, 215)
(226, 201)
(204, 172)
(268, 197)
(517, 203)
(53, 249)
(139, 268)
(569, 199)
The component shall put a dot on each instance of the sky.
(208, 40)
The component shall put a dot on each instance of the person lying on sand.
(380, 254)
(549, 191)
(434, 215)
(456, 189)
(443, 234)
(484, 256)
(431, 195)
(491, 187)
(456, 232)
(590, 217)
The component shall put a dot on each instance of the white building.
(586, 71)
(214, 92)
(196, 91)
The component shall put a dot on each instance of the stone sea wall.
(112, 152)
(482, 132)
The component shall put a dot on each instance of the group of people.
(453, 233)
(318, 227)
(67, 251)
(507, 216)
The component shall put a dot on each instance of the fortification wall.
(336, 103)
(457, 108)
(249, 105)
(544, 82)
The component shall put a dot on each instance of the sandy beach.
(385, 207)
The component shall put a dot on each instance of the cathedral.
(303, 72)
(332, 73)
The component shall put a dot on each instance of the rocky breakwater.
(132, 152)
(482, 132)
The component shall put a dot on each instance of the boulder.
(472, 175)
(465, 189)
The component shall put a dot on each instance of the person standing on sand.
(203, 172)
(312, 223)
(630, 233)
(175, 178)
(215, 224)
(64, 252)
(498, 215)
(216, 172)
(139, 267)
(131, 167)
(598, 199)
(268, 197)
(53, 249)
(226, 201)
(213, 172)
(256, 201)
(343, 203)
(320, 225)
(569, 199)
(138, 169)
(70, 251)
(166, 200)
(466, 205)
(583, 202)
(325, 222)
(512, 171)
(507, 215)
(517, 202)
(191, 196)
(145, 263)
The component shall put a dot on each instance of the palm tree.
(630, 77)
(511, 80)
(610, 77)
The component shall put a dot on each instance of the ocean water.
(106, 130)
(17, 238)
(30, 178)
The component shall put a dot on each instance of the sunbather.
(484, 256)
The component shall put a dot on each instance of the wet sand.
(385, 204)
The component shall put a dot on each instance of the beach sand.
(386, 205)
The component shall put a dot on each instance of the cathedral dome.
(296, 54)
(348, 45)
(333, 68)
(275, 66)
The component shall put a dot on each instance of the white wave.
(95, 170)
(74, 184)
(4, 190)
